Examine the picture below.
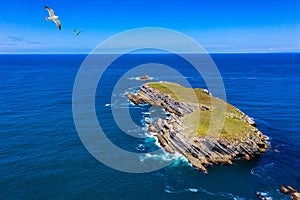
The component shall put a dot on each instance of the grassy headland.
(200, 121)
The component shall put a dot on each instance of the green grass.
(231, 128)
(190, 95)
(216, 118)
(176, 91)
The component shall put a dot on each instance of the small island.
(145, 78)
(189, 129)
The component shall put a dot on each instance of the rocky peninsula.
(190, 131)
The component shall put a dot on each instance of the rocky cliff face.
(201, 151)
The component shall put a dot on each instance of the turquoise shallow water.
(42, 156)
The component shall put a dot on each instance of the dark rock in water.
(164, 143)
(133, 98)
(292, 190)
(296, 196)
(276, 150)
(261, 196)
(174, 135)
(284, 190)
(145, 78)
(151, 127)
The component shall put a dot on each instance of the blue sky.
(218, 25)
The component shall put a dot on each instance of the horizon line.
(145, 53)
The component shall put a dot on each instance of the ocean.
(42, 156)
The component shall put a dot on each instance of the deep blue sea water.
(42, 156)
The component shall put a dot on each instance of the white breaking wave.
(193, 190)
(140, 147)
(169, 189)
(262, 170)
(162, 157)
(266, 195)
(139, 78)
(146, 113)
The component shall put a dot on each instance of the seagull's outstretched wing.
(50, 11)
(78, 33)
(57, 22)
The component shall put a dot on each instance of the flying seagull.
(77, 33)
(53, 17)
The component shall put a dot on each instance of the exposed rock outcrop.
(145, 78)
(290, 190)
(201, 151)
(261, 196)
(284, 190)
(296, 196)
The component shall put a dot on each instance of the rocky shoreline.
(201, 151)
(291, 191)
